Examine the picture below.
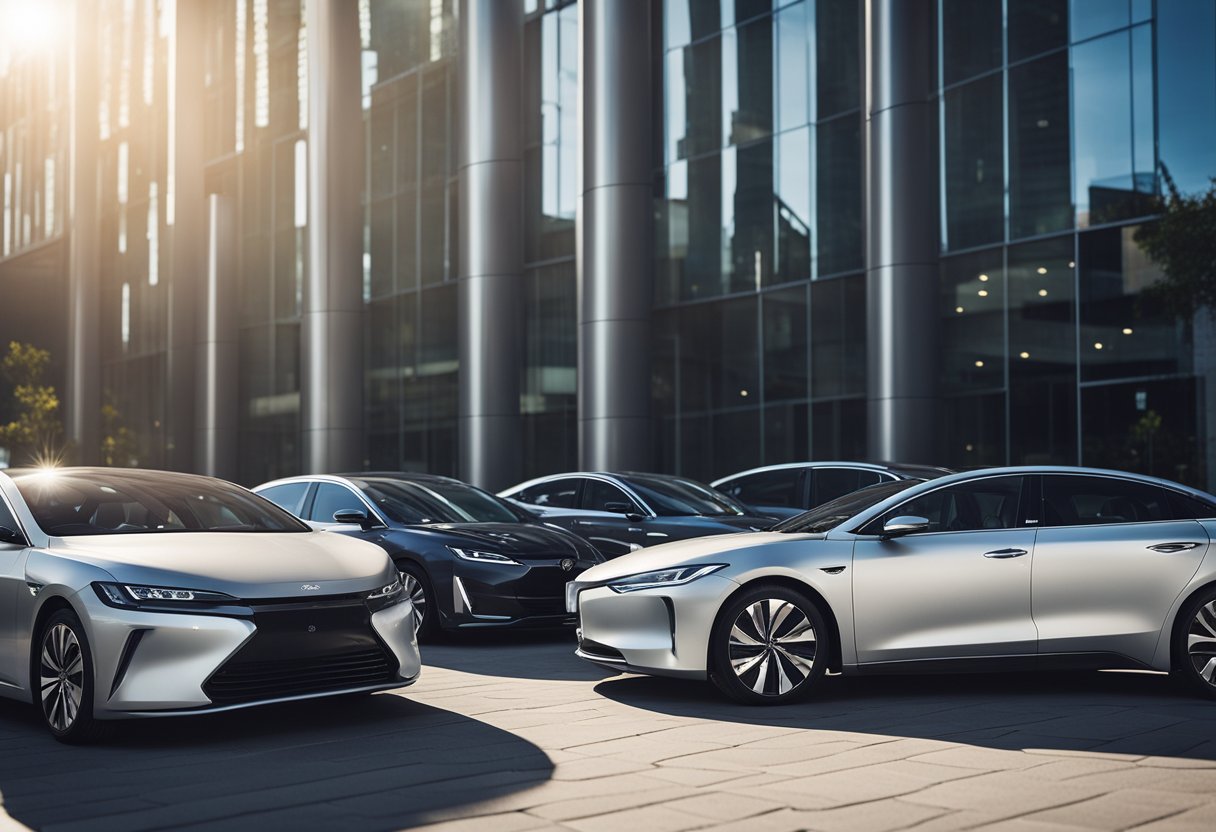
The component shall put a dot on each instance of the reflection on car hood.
(521, 540)
(246, 565)
(716, 549)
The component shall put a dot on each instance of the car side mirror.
(8, 535)
(634, 517)
(899, 526)
(618, 508)
(354, 517)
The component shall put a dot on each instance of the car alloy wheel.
(769, 646)
(416, 592)
(772, 646)
(61, 677)
(1201, 642)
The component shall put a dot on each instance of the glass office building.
(689, 235)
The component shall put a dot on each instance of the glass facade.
(1059, 122)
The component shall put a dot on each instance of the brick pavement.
(514, 733)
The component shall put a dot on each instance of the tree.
(1183, 243)
(118, 445)
(34, 433)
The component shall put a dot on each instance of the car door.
(960, 589)
(605, 519)
(13, 553)
(1111, 558)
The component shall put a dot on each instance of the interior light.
(983, 278)
(982, 293)
(1127, 330)
(1097, 345)
(1042, 293)
(1023, 354)
(743, 393)
(979, 363)
(1041, 270)
(958, 309)
(1072, 264)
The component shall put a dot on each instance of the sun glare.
(30, 25)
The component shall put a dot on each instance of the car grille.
(543, 606)
(250, 681)
(301, 651)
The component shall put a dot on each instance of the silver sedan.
(143, 593)
(1009, 568)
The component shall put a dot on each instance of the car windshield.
(437, 501)
(831, 514)
(68, 503)
(674, 497)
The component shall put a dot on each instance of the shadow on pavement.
(1126, 713)
(516, 654)
(373, 762)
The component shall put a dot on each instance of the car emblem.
(312, 628)
(310, 587)
(567, 564)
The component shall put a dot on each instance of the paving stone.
(1120, 810)
(648, 818)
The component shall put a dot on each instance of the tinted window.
(438, 501)
(867, 478)
(1186, 507)
(553, 494)
(1081, 501)
(6, 518)
(990, 503)
(81, 503)
(766, 488)
(331, 499)
(599, 495)
(673, 496)
(289, 496)
(831, 483)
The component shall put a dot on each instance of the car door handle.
(583, 523)
(1005, 553)
(1169, 548)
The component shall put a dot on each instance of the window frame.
(1020, 523)
(1164, 489)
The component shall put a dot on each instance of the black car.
(789, 489)
(621, 512)
(469, 559)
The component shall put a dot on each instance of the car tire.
(62, 680)
(1195, 663)
(769, 646)
(422, 594)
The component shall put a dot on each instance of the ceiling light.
(1097, 345)
(982, 293)
(1023, 354)
(1127, 330)
(979, 363)
(958, 309)
(983, 278)
(1042, 293)
(1041, 270)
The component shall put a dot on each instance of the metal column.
(331, 331)
(183, 211)
(615, 263)
(83, 394)
(902, 244)
(491, 237)
(217, 356)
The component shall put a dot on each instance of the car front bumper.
(162, 664)
(527, 595)
(663, 631)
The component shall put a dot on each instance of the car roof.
(403, 476)
(906, 470)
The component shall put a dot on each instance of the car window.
(830, 483)
(6, 518)
(830, 515)
(988, 503)
(867, 478)
(677, 497)
(330, 500)
(766, 488)
(598, 495)
(561, 493)
(1076, 500)
(289, 496)
(1186, 507)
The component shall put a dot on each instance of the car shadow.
(1143, 714)
(366, 762)
(517, 654)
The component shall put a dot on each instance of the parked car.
(918, 576)
(145, 593)
(468, 559)
(623, 512)
(786, 490)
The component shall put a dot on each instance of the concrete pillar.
(183, 212)
(217, 350)
(82, 397)
(902, 233)
(331, 331)
(615, 262)
(491, 242)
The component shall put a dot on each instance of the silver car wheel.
(1201, 642)
(413, 588)
(62, 677)
(772, 646)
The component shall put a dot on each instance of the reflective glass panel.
(971, 38)
(1150, 427)
(1095, 17)
(972, 314)
(792, 203)
(785, 344)
(1186, 91)
(794, 79)
(837, 56)
(1040, 184)
(974, 153)
(1036, 26)
(838, 338)
(838, 194)
(747, 82)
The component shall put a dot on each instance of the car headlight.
(386, 596)
(135, 596)
(483, 557)
(663, 577)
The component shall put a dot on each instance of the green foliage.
(34, 432)
(118, 443)
(1183, 243)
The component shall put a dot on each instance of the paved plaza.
(513, 733)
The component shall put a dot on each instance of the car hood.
(519, 540)
(245, 565)
(700, 550)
